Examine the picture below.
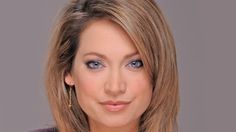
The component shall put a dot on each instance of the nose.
(115, 84)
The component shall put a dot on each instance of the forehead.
(105, 36)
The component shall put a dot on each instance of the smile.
(115, 106)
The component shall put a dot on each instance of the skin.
(108, 67)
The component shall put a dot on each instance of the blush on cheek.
(88, 86)
(141, 84)
(143, 89)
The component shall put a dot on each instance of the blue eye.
(94, 64)
(136, 64)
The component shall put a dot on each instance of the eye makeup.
(94, 64)
(136, 64)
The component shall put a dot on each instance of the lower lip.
(115, 108)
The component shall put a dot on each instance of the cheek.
(142, 86)
(142, 90)
(87, 89)
(87, 85)
(139, 84)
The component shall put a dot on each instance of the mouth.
(115, 106)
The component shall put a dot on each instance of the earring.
(70, 98)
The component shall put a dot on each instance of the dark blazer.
(53, 129)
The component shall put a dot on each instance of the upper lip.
(110, 102)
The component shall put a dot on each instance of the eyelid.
(94, 61)
(135, 60)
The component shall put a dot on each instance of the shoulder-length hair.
(145, 24)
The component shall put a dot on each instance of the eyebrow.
(104, 56)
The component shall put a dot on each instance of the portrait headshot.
(112, 67)
(117, 66)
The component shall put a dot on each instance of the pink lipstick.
(115, 106)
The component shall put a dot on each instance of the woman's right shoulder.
(53, 129)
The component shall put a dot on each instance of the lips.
(115, 106)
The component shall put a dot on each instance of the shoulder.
(53, 129)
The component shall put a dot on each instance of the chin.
(116, 123)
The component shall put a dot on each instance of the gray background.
(204, 31)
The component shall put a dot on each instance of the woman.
(112, 67)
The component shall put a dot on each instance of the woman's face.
(111, 84)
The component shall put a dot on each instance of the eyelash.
(136, 64)
(95, 64)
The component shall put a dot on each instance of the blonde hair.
(146, 26)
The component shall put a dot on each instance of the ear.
(69, 79)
